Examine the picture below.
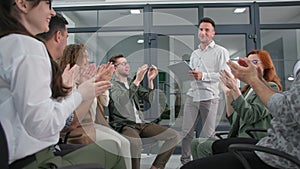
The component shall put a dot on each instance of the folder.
(181, 71)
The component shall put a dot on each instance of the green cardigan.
(249, 113)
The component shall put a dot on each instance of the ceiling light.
(140, 41)
(135, 11)
(239, 10)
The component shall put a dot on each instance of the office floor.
(173, 163)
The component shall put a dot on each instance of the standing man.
(203, 96)
(126, 115)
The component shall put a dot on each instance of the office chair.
(236, 149)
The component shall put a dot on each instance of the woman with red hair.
(244, 109)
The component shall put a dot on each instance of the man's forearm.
(150, 84)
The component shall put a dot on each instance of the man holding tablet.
(203, 96)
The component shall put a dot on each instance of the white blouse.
(31, 119)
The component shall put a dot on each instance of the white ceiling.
(88, 18)
(63, 3)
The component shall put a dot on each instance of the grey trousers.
(151, 132)
(208, 111)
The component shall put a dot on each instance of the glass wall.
(280, 36)
(163, 34)
(234, 15)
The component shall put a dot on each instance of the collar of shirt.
(211, 45)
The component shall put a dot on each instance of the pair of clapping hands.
(92, 81)
(141, 72)
(244, 70)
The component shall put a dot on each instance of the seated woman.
(31, 116)
(84, 129)
(244, 109)
(284, 133)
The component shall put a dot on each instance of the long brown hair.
(72, 54)
(9, 24)
(270, 74)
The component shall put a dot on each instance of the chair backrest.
(4, 149)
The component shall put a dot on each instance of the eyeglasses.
(48, 2)
(122, 63)
(255, 61)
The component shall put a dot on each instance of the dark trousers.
(151, 132)
(222, 159)
(221, 146)
(226, 161)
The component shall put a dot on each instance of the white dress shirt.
(31, 119)
(208, 61)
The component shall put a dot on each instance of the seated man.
(126, 117)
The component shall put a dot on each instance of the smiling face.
(36, 19)
(206, 32)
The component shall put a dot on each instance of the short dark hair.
(114, 58)
(57, 23)
(209, 20)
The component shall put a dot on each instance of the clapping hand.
(245, 71)
(87, 72)
(90, 89)
(105, 72)
(140, 74)
(228, 81)
(70, 75)
(152, 72)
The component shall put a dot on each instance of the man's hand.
(140, 74)
(195, 74)
(152, 72)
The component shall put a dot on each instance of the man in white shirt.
(203, 96)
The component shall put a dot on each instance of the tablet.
(181, 71)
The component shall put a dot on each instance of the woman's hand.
(90, 88)
(223, 83)
(245, 71)
(230, 83)
(87, 72)
(105, 72)
(228, 80)
(70, 75)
